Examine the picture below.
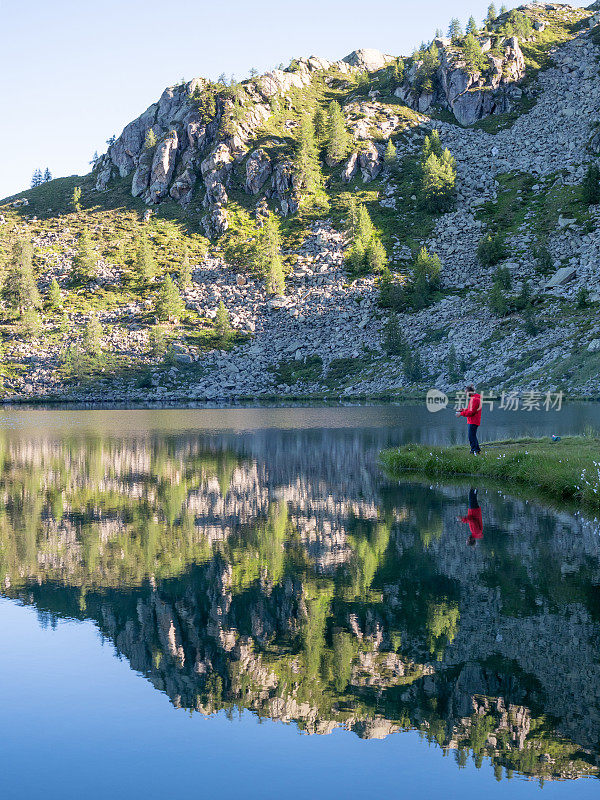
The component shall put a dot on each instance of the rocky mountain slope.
(199, 172)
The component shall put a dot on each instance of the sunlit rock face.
(282, 573)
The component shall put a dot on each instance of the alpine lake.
(240, 603)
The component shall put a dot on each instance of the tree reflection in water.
(289, 578)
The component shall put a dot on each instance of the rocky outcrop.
(470, 94)
(258, 169)
(163, 166)
(370, 163)
(368, 59)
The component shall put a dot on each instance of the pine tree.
(472, 53)
(491, 15)
(455, 30)
(83, 269)
(144, 264)
(432, 144)
(92, 339)
(76, 199)
(439, 178)
(375, 255)
(150, 139)
(590, 188)
(452, 365)
(352, 218)
(389, 157)
(503, 9)
(307, 157)
(320, 124)
(185, 271)
(364, 228)
(497, 301)
(394, 342)
(54, 299)
(30, 324)
(36, 178)
(268, 255)
(168, 306)
(20, 290)
(222, 323)
(47, 175)
(472, 26)
(429, 267)
(399, 71)
(338, 138)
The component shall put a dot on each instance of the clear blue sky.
(75, 72)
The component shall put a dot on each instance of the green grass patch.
(566, 470)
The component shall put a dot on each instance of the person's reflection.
(473, 519)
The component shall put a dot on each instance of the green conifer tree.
(472, 26)
(54, 300)
(168, 306)
(144, 265)
(491, 15)
(83, 268)
(184, 277)
(389, 157)
(399, 71)
(150, 139)
(432, 144)
(472, 53)
(455, 31)
(20, 291)
(376, 256)
(590, 188)
(268, 255)
(222, 324)
(338, 138)
(76, 199)
(438, 182)
(92, 339)
(320, 124)
(307, 163)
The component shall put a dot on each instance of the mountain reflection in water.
(282, 573)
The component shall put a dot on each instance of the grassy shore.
(565, 470)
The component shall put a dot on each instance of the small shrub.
(76, 199)
(394, 342)
(530, 323)
(222, 324)
(54, 300)
(491, 250)
(168, 306)
(590, 188)
(497, 301)
(412, 365)
(158, 341)
(582, 298)
(503, 277)
(31, 324)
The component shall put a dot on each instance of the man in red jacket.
(474, 519)
(473, 414)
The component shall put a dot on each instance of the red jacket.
(473, 411)
(475, 521)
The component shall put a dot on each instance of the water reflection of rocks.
(280, 573)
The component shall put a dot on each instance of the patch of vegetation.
(565, 470)
(308, 370)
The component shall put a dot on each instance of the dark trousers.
(473, 502)
(473, 438)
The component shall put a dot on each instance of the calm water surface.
(238, 603)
